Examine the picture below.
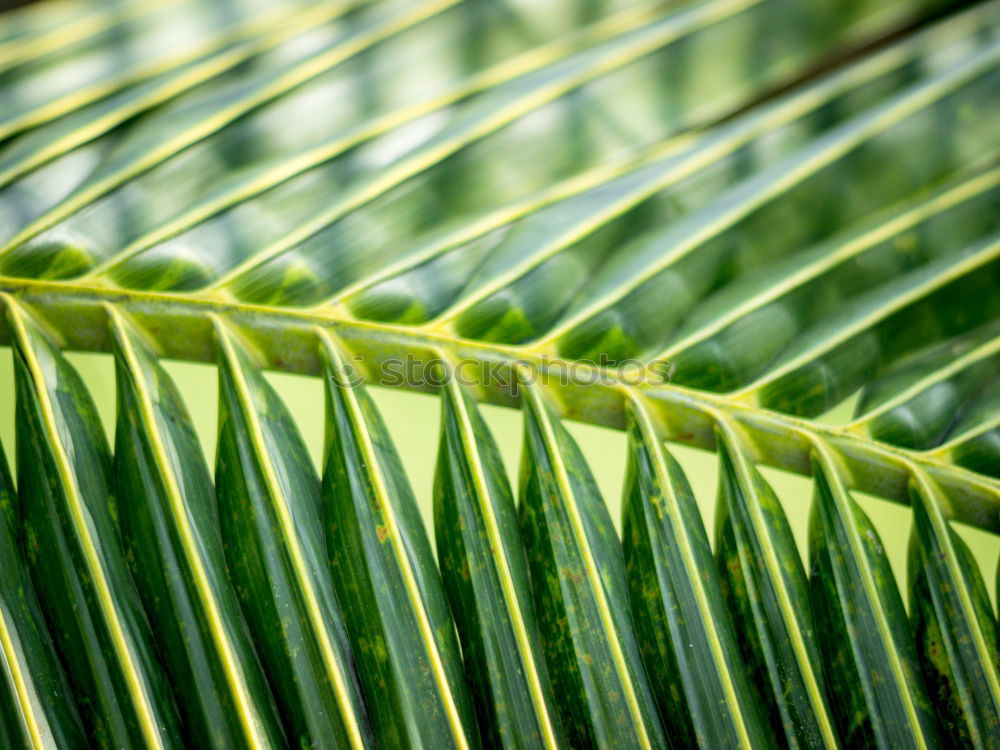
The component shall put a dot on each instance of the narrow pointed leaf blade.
(954, 628)
(74, 553)
(578, 578)
(768, 594)
(914, 404)
(871, 663)
(485, 574)
(684, 630)
(383, 567)
(170, 529)
(37, 709)
(974, 438)
(271, 521)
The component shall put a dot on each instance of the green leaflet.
(287, 267)
(394, 603)
(498, 120)
(914, 404)
(736, 231)
(271, 521)
(497, 301)
(954, 627)
(872, 671)
(495, 181)
(930, 365)
(831, 360)
(578, 578)
(50, 141)
(767, 591)
(74, 555)
(485, 574)
(684, 631)
(169, 525)
(32, 195)
(559, 247)
(586, 123)
(418, 293)
(185, 130)
(719, 346)
(974, 439)
(37, 709)
(33, 30)
(46, 87)
(316, 156)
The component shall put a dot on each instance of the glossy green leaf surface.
(551, 239)
(715, 348)
(973, 440)
(765, 228)
(767, 592)
(293, 217)
(485, 573)
(578, 577)
(275, 546)
(529, 177)
(37, 709)
(734, 232)
(157, 37)
(74, 553)
(394, 602)
(954, 626)
(818, 372)
(170, 530)
(914, 405)
(873, 673)
(686, 636)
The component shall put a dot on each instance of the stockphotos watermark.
(416, 372)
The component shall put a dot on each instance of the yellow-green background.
(413, 420)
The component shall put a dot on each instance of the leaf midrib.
(279, 332)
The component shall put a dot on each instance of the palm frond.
(707, 222)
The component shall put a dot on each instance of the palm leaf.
(578, 575)
(767, 590)
(169, 526)
(485, 573)
(382, 563)
(952, 612)
(271, 524)
(74, 554)
(36, 708)
(676, 595)
(707, 222)
(872, 680)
